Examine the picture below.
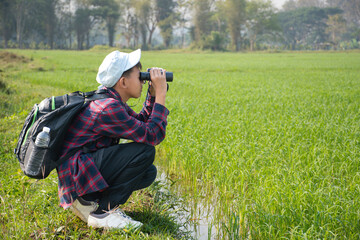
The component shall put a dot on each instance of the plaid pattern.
(102, 124)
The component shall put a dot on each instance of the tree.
(351, 13)
(334, 3)
(47, 9)
(166, 19)
(293, 4)
(146, 13)
(21, 9)
(66, 20)
(311, 3)
(128, 21)
(289, 5)
(336, 27)
(6, 21)
(108, 11)
(143, 9)
(111, 20)
(183, 7)
(202, 21)
(305, 25)
(82, 26)
(235, 16)
(259, 20)
(352, 9)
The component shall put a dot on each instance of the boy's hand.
(158, 85)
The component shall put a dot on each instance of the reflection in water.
(197, 215)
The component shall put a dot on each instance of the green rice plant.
(233, 229)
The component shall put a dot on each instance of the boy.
(103, 174)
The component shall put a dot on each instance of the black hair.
(128, 72)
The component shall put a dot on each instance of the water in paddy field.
(196, 216)
(202, 227)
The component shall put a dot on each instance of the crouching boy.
(97, 179)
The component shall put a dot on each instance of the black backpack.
(56, 113)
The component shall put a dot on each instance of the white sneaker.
(113, 219)
(83, 208)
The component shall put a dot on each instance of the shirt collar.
(113, 93)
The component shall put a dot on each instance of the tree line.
(159, 24)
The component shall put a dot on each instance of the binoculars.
(146, 76)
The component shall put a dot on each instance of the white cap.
(46, 129)
(114, 65)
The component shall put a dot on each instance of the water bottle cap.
(46, 129)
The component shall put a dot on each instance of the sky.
(278, 3)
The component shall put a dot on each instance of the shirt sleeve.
(115, 121)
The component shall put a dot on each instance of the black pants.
(125, 168)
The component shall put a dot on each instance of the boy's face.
(135, 85)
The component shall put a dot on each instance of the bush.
(33, 45)
(12, 44)
(353, 44)
(103, 48)
(43, 45)
(215, 41)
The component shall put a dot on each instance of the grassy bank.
(270, 140)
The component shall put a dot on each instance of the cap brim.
(134, 58)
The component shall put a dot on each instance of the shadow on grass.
(156, 226)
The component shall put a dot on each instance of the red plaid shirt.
(101, 124)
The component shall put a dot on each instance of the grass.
(270, 139)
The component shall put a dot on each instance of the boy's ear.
(122, 82)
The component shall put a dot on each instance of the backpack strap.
(89, 96)
(95, 95)
(101, 91)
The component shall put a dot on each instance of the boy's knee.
(147, 150)
(150, 150)
(152, 172)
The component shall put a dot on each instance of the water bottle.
(36, 159)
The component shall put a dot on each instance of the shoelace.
(122, 214)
